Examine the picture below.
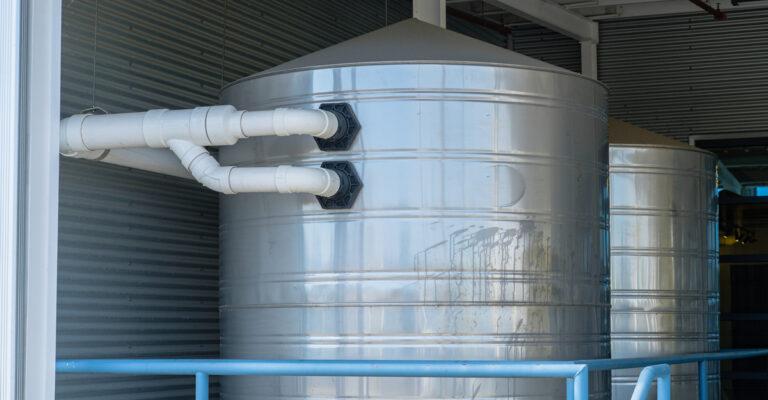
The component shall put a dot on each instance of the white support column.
(431, 11)
(42, 196)
(589, 59)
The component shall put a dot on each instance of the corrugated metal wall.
(138, 261)
(177, 53)
(529, 39)
(546, 45)
(688, 75)
(138, 276)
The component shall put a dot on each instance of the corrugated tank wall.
(138, 252)
(688, 75)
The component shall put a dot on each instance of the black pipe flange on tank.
(349, 188)
(345, 133)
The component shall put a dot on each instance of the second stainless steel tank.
(664, 259)
(480, 232)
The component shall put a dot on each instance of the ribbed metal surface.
(179, 53)
(138, 269)
(529, 39)
(546, 45)
(480, 233)
(688, 75)
(664, 261)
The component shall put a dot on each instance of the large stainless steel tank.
(664, 257)
(480, 232)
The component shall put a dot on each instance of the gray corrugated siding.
(546, 45)
(529, 39)
(138, 269)
(138, 258)
(688, 75)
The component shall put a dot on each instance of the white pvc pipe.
(161, 161)
(285, 179)
(286, 121)
(231, 180)
(203, 126)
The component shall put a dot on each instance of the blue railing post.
(703, 380)
(569, 389)
(664, 384)
(201, 386)
(581, 384)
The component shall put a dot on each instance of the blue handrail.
(575, 371)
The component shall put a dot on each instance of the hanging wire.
(224, 41)
(95, 49)
(386, 12)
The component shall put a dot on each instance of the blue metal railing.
(576, 373)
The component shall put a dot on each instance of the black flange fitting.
(347, 130)
(349, 188)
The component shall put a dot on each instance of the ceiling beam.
(672, 7)
(500, 28)
(715, 12)
(552, 16)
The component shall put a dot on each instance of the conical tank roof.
(624, 133)
(412, 41)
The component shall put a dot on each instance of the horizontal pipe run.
(203, 126)
(576, 372)
(335, 367)
(405, 368)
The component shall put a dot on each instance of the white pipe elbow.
(231, 180)
(203, 167)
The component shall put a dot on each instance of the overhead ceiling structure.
(503, 11)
